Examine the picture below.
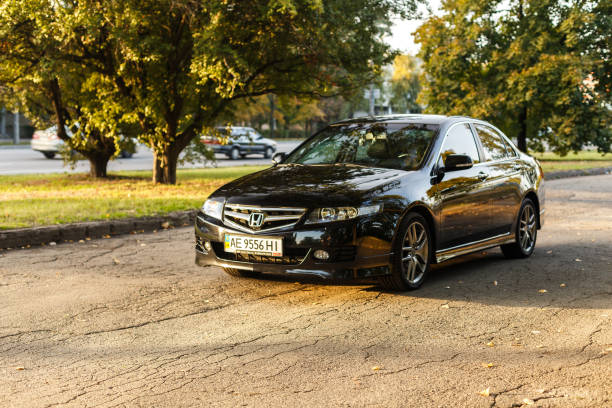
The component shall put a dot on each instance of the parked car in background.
(49, 143)
(382, 198)
(240, 142)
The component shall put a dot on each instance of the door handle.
(482, 176)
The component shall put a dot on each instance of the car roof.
(406, 118)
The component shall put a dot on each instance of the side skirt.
(446, 254)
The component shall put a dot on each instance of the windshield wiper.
(348, 164)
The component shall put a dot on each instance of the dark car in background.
(239, 142)
(382, 198)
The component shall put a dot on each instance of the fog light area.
(207, 245)
(321, 254)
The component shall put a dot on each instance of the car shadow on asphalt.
(552, 277)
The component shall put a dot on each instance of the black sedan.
(381, 197)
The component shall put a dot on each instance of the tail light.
(35, 136)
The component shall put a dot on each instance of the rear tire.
(526, 233)
(412, 255)
(268, 153)
(240, 273)
(234, 154)
(49, 155)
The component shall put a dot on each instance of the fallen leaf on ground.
(20, 368)
(563, 285)
(52, 243)
(527, 401)
(488, 365)
(494, 283)
(578, 260)
(535, 332)
(445, 306)
(116, 261)
(491, 344)
(485, 393)
(107, 236)
(609, 350)
(165, 225)
(143, 245)
(375, 368)
(543, 291)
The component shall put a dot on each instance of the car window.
(397, 146)
(460, 140)
(492, 143)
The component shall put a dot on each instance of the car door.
(460, 196)
(257, 142)
(503, 184)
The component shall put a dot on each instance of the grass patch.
(34, 199)
(573, 161)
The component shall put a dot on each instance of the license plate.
(249, 244)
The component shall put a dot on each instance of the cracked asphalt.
(131, 321)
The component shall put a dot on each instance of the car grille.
(272, 218)
(292, 256)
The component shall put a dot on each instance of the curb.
(25, 237)
(597, 171)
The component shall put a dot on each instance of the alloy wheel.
(527, 229)
(415, 253)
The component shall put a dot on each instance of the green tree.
(42, 76)
(539, 69)
(174, 67)
(405, 84)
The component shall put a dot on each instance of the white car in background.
(49, 143)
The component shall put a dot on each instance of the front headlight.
(329, 214)
(213, 207)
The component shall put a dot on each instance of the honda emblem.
(256, 220)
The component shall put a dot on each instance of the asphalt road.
(131, 321)
(24, 160)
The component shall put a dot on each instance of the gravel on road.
(131, 321)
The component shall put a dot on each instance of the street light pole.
(16, 129)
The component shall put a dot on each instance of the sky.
(401, 33)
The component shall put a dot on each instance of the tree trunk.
(522, 135)
(97, 166)
(164, 166)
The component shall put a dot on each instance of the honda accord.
(380, 197)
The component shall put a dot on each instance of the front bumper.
(46, 146)
(354, 255)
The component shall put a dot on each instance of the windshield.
(389, 145)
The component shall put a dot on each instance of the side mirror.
(278, 158)
(454, 162)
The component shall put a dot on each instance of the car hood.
(307, 186)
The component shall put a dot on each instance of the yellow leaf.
(446, 306)
(485, 393)
(527, 401)
(375, 368)
(563, 285)
(491, 344)
(543, 291)
(488, 365)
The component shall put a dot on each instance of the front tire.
(526, 233)
(49, 155)
(412, 255)
(240, 273)
(268, 153)
(234, 154)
